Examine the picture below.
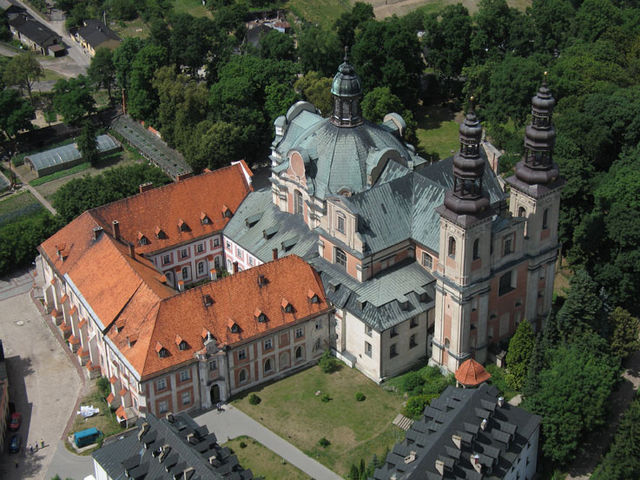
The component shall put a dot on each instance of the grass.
(262, 461)
(136, 28)
(498, 380)
(60, 174)
(438, 132)
(322, 12)
(17, 206)
(51, 75)
(355, 429)
(192, 7)
(105, 421)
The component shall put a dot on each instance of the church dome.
(346, 83)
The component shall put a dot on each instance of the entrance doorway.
(215, 394)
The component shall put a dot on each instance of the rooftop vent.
(500, 401)
(411, 457)
(483, 424)
(143, 430)
(96, 232)
(207, 300)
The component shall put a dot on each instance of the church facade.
(417, 259)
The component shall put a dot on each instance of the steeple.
(467, 197)
(346, 91)
(537, 167)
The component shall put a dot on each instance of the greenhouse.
(66, 156)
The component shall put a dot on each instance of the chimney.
(235, 267)
(96, 233)
(275, 253)
(132, 250)
(500, 401)
(116, 229)
(169, 417)
(181, 285)
(145, 186)
(213, 275)
(261, 280)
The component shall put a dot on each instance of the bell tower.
(461, 303)
(535, 196)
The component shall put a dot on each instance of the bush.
(328, 363)
(254, 399)
(416, 405)
(360, 397)
(325, 398)
(243, 445)
(104, 387)
(413, 382)
(323, 442)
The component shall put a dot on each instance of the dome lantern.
(346, 92)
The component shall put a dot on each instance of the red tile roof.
(235, 301)
(471, 373)
(176, 209)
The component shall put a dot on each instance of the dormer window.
(142, 240)
(226, 211)
(233, 326)
(340, 222)
(161, 351)
(120, 325)
(160, 233)
(204, 219)
(286, 306)
(206, 335)
(207, 300)
(182, 226)
(181, 343)
(313, 297)
(260, 316)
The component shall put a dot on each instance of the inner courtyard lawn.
(355, 430)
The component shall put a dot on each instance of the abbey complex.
(359, 245)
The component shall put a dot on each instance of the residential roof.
(169, 448)
(215, 308)
(97, 34)
(471, 373)
(178, 212)
(496, 431)
(34, 30)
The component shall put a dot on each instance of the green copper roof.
(346, 83)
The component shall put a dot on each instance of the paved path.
(36, 194)
(65, 66)
(43, 383)
(68, 465)
(233, 423)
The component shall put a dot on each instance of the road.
(232, 423)
(43, 382)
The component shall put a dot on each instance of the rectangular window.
(318, 324)
(228, 245)
(340, 222)
(427, 260)
(161, 384)
(506, 284)
(242, 354)
(213, 364)
(340, 258)
(268, 344)
(186, 398)
(200, 247)
(201, 268)
(392, 351)
(216, 242)
(185, 375)
(413, 323)
(184, 253)
(368, 350)
(163, 406)
(166, 259)
(393, 332)
(186, 273)
(412, 341)
(367, 330)
(507, 245)
(239, 252)
(299, 332)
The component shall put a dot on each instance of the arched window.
(476, 249)
(299, 353)
(522, 212)
(545, 219)
(267, 365)
(340, 258)
(452, 247)
(447, 343)
(242, 376)
(297, 203)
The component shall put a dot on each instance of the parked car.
(14, 444)
(16, 420)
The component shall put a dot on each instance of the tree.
(622, 461)
(573, 394)
(278, 99)
(22, 71)
(552, 21)
(143, 99)
(101, 71)
(87, 143)
(17, 113)
(123, 58)
(72, 99)
(625, 328)
(447, 40)
(583, 307)
(214, 145)
(348, 22)
(519, 354)
(595, 17)
(491, 36)
(317, 90)
(380, 101)
(277, 46)
(319, 51)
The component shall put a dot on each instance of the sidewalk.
(233, 423)
(35, 193)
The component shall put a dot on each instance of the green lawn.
(17, 206)
(322, 12)
(355, 429)
(62, 173)
(438, 132)
(262, 461)
(192, 7)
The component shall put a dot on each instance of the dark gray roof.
(167, 448)
(460, 412)
(34, 30)
(95, 33)
(259, 226)
(391, 297)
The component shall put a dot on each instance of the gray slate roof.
(259, 226)
(340, 157)
(129, 456)
(460, 412)
(34, 30)
(95, 33)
